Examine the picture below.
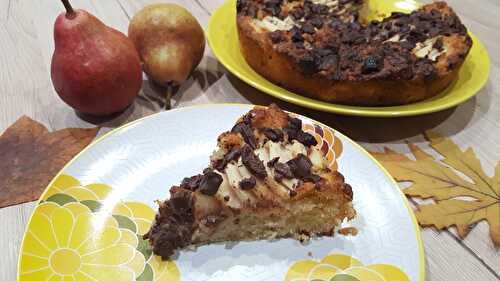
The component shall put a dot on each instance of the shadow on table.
(383, 130)
(152, 97)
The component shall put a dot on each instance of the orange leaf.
(30, 157)
(459, 201)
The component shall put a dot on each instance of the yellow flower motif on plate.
(342, 268)
(68, 185)
(75, 244)
(141, 214)
(74, 236)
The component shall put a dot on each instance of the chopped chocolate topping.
(296, 35)
(173, 226)
(210, 183)
(226, 198)
(308, 28)
(273, 161)
(233, 154)
(252, 162)
(301, 168)
(276, 36)
(248, 183)
(283, 170)
(371, 64)
(293, 193)
(295, 132)
(274, 135)
(246, 132)
(181, 203)
(191, 183)
(359, 52)
(273, 6)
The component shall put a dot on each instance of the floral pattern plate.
(89, 222)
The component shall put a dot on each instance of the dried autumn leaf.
(30, 156)
(459, 202)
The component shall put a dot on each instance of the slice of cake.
(266, 180)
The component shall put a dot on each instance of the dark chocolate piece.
(209, 184)
(274, 135)
(248, 183)
(246, 132)
(301, 168)
(252, 162)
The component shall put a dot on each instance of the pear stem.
(69, 8)
(168, 97)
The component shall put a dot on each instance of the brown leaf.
(30, 157)
(459, 201)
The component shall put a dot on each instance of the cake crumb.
(348, 231)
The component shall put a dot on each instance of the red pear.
(95, 68)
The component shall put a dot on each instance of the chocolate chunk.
(226, 198)
(210, 183)
(273, 134)
(317, 22)
(248, 183)
(181, 203)
(246, 132)
(191, 183)
(283, 170)
(297, 14)
(301, 169)
(295, 124)
(273, 6)
(293, 193)
(307, 139)
(371, 64)
(276, 36)
(296, 35)
(300, 166)
(252, 162)
(319, 9)
(233, 154)
(438, 44)
(307, 27)
(307, 65)
(294, 132)
(273, 161)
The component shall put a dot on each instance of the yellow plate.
(223, 39)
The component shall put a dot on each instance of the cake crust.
(266, 180)
(403, 59)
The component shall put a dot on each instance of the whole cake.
(266, 180)
(327, 50)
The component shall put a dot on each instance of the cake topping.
(180, 202)
(295, 132)
(233, 154)
(282, 171)
(300, 28)
(246, 132)
(301, 166)
(275, 135)
(191, 183)
(252, 162)
(248, 183)
(210, 182)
